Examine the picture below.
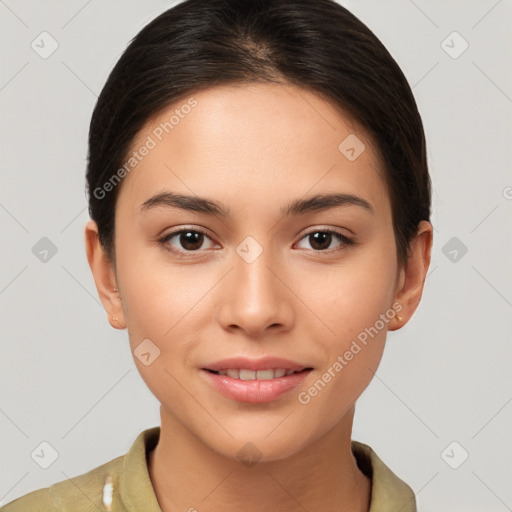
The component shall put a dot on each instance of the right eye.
(191, 240)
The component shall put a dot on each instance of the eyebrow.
(315, 203)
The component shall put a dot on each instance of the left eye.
(190, 239)
(321, 239)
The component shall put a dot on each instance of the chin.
(264, 439)
(251, 450)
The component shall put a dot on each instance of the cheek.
(350, 296)
(164, 308)
(359, 317)
(355, 302)
(159, 296)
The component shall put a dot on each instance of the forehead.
(259, 141)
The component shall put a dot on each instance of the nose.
(254, 297)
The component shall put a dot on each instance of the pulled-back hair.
(314, 44)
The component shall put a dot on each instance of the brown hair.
(314, 44)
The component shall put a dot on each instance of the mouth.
(265, 374)
(260, 384)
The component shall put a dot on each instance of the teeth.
(243, 374)
(263, 374)
(234, 374)
(247, 375)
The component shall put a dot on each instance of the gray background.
(69, 379)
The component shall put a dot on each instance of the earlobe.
(104, 277)
(413, 275)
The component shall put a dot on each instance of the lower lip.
(255, 391)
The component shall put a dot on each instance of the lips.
(265, 363)
(255, 380)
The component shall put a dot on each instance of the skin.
(255, 149)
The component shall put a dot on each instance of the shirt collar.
(135, 487)
(389, 493)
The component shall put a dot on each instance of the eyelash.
(346, 242)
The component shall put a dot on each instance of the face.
(280, 273)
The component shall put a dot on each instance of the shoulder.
(127, 475)
(82, 493)
(389, 492)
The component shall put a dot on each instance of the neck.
(188, 475)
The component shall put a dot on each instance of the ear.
(412, 276)
(104, 276)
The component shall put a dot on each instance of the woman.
(260, 219)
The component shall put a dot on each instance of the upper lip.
(263, 363)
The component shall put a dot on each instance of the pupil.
(189, 238)
(319, 238)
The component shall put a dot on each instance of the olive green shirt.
(133, 491)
